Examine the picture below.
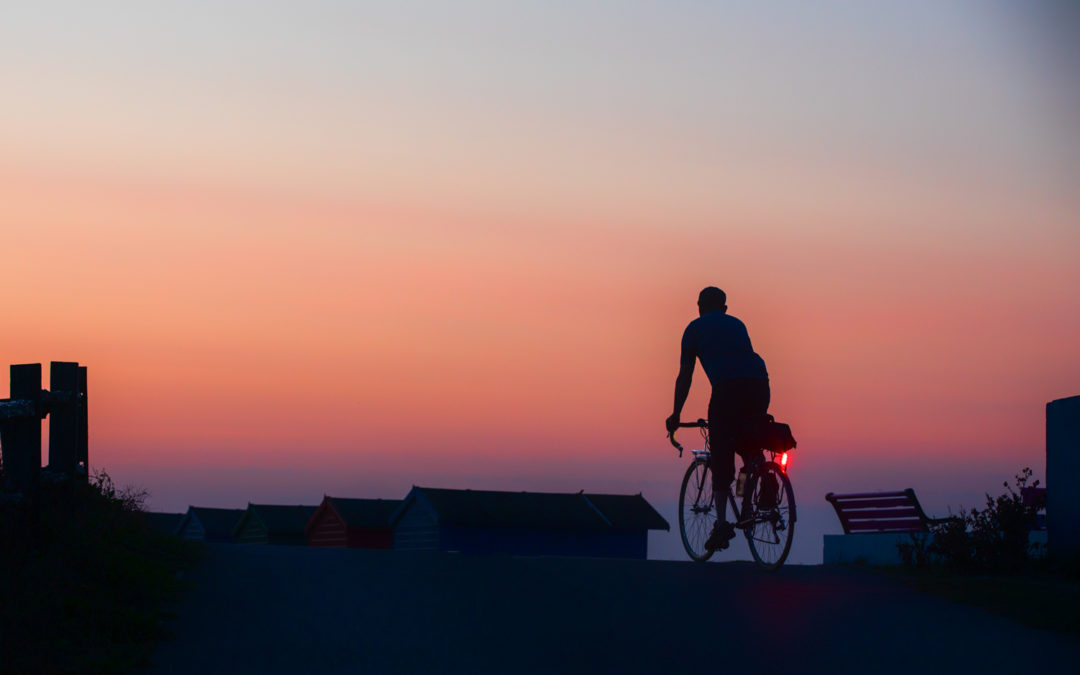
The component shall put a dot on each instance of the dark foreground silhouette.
(280, 609)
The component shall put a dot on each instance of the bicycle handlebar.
(700, 424)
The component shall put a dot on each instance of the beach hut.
(274, 524)
(215, 526)
(485, 522)
(355, 523)
(166, 523)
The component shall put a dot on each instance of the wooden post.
(64, 417)
(22, 437)
(82, 437)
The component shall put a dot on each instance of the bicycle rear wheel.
(697, 512)
(770, 501)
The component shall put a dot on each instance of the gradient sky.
(346, 248)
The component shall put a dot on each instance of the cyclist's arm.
(685, 377)
(682, 385)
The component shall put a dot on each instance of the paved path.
(271, 609)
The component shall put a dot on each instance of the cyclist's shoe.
(721, 536)
(770, 491)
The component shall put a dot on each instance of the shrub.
(952, 544)
(85, 578)
(999, 533)
(994, 539)
(916, 552)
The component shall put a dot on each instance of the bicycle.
(767, 513)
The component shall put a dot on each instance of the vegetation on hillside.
(85, 579)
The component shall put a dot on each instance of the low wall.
(865, 549)
(879, 549)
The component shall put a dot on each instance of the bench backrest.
(879, 512)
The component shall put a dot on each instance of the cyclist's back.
(721, 343)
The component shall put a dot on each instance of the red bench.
(868, 512)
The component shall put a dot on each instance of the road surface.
(281, 609)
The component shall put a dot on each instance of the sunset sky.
(345, 248)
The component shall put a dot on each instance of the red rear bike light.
(783, 461)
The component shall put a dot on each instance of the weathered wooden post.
(64, 404)
(22, 435)
(82, 452)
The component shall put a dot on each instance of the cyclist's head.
(711, 299)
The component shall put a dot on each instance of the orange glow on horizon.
(338, 330)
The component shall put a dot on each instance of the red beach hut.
(353, 523)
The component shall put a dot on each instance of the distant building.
(166, 523)
(213, 526)
(274, 524)
(355, 523)
(487, 522)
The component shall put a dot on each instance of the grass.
(1043, 596)
(84, 591)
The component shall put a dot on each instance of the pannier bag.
(776, 436)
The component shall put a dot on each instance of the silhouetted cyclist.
(740, 394)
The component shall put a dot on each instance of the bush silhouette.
(994, 539)
(85, 578)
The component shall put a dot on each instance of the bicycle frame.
(767, 526)
(741, 523)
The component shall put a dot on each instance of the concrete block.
(864, 549)
(1062, 468)
(880, 548)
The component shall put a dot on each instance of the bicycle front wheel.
(697, 512)
(770, 501)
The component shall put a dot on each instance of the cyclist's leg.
(722, 444)
(752, 404)
(735, 410)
